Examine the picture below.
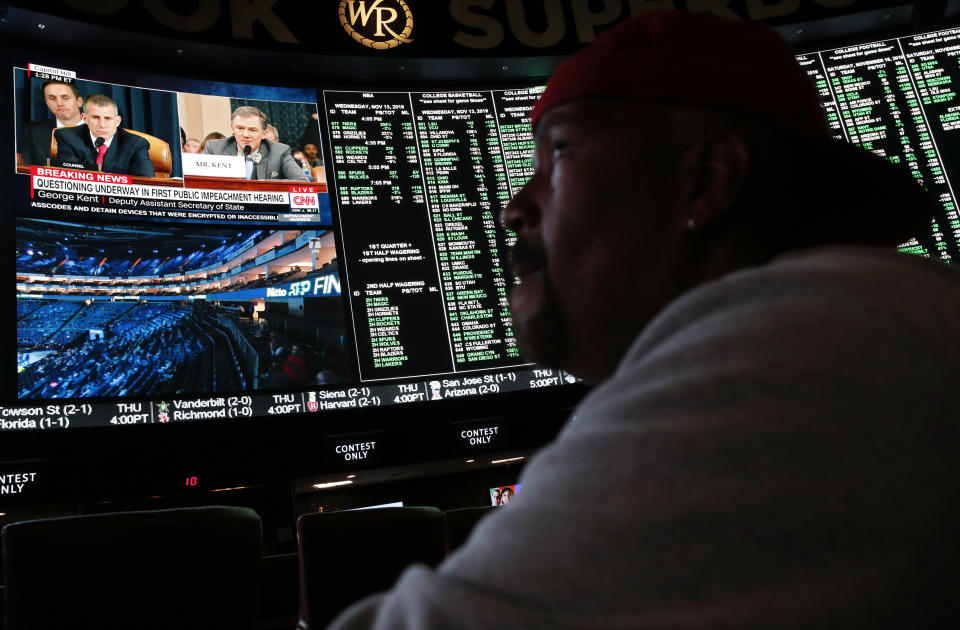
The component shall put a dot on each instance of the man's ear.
(715, 169)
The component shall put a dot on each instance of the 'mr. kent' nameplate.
(213, 165)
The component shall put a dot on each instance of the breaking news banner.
(58, 191)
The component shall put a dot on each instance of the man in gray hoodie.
(773, 441)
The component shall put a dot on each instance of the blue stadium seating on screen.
(150, 348)
(73, 270)
(68, 262)
(43, 322)
(95, 315)
(145, 353)
(25, 307)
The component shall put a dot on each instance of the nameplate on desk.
(213, 165)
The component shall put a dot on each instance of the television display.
(502, 495)
(240, 251)
(192, 250)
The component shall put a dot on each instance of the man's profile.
(65, 103)
(772, 441)
(102, 143)
(263, 159)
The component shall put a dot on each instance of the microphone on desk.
(250, 166)
(98, 145)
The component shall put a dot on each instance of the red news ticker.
(82, 176)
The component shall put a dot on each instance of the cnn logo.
(304, 200)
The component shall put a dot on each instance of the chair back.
(278, 591)
(159, 154)
(347, 555)
(184, 568)
(458, 524)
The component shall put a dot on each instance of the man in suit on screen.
(102, 142)
(65, 103)
(263, 159)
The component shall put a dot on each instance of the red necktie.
(100, 151)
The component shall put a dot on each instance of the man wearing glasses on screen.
(263, 159)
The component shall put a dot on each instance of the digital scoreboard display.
(898, 98)
(352, 259)
(421, 180)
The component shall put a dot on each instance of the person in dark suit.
(125, 153)
(64, 102)
(311, 132)
(265, 159)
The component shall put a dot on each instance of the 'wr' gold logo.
(380, 32)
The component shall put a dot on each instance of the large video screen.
(196, 250)
(180, 257)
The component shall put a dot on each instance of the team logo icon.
(162, 409)
(377, 24)
(312, 404)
